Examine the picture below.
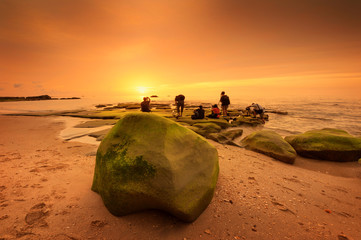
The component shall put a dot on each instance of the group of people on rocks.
(199, 113)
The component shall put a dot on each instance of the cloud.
(18, 85)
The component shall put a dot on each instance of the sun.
(141, 89)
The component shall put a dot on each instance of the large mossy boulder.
(271, 144)
(327, 144)
(150, 162)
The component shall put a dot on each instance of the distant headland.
(33, 98)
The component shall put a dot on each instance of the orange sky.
(199, 48)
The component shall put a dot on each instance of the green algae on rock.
(220, 122)
(205, 128)
(271, 144)
(246, 120)
(327, 144)
(226, 137)
(150, 162)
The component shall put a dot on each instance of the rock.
(205, 128)
(226, 137)
(133, 106)
(150, 162)
(100, 106)
(161, 105)
(99, 135)
(271, 144)
(233, 134)
(220, 122)
(218, 137)
(244, 120)
(95, 123)
(327, 144)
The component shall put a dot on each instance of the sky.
(89, 48)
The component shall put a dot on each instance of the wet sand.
(45, 194)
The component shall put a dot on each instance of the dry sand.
(45, 194)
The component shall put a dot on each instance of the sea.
(287, 116)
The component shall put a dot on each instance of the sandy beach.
(45, 194)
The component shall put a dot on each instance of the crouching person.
(198, 113)
(215, 112)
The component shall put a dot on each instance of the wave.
(283, 131)
(317, 118)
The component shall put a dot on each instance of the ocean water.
(312, 114)
(302, 114)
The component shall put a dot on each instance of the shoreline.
(45, 194)
(301, 116)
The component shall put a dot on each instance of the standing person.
(145, 105)
(225, 103)
(179, 102)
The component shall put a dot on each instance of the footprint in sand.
(37, 215)
(98, 223)
(4, 217)
(36, 185)
(344, 214)
(46, 167)
(337, 189)
(2, 197)
(295, 180)
(282, 207)
(43, 179)
(10, 157)
(63, 236)
(58, 196)
(285, 188)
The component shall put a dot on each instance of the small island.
(32, 98)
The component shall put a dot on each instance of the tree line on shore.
(32, 98)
